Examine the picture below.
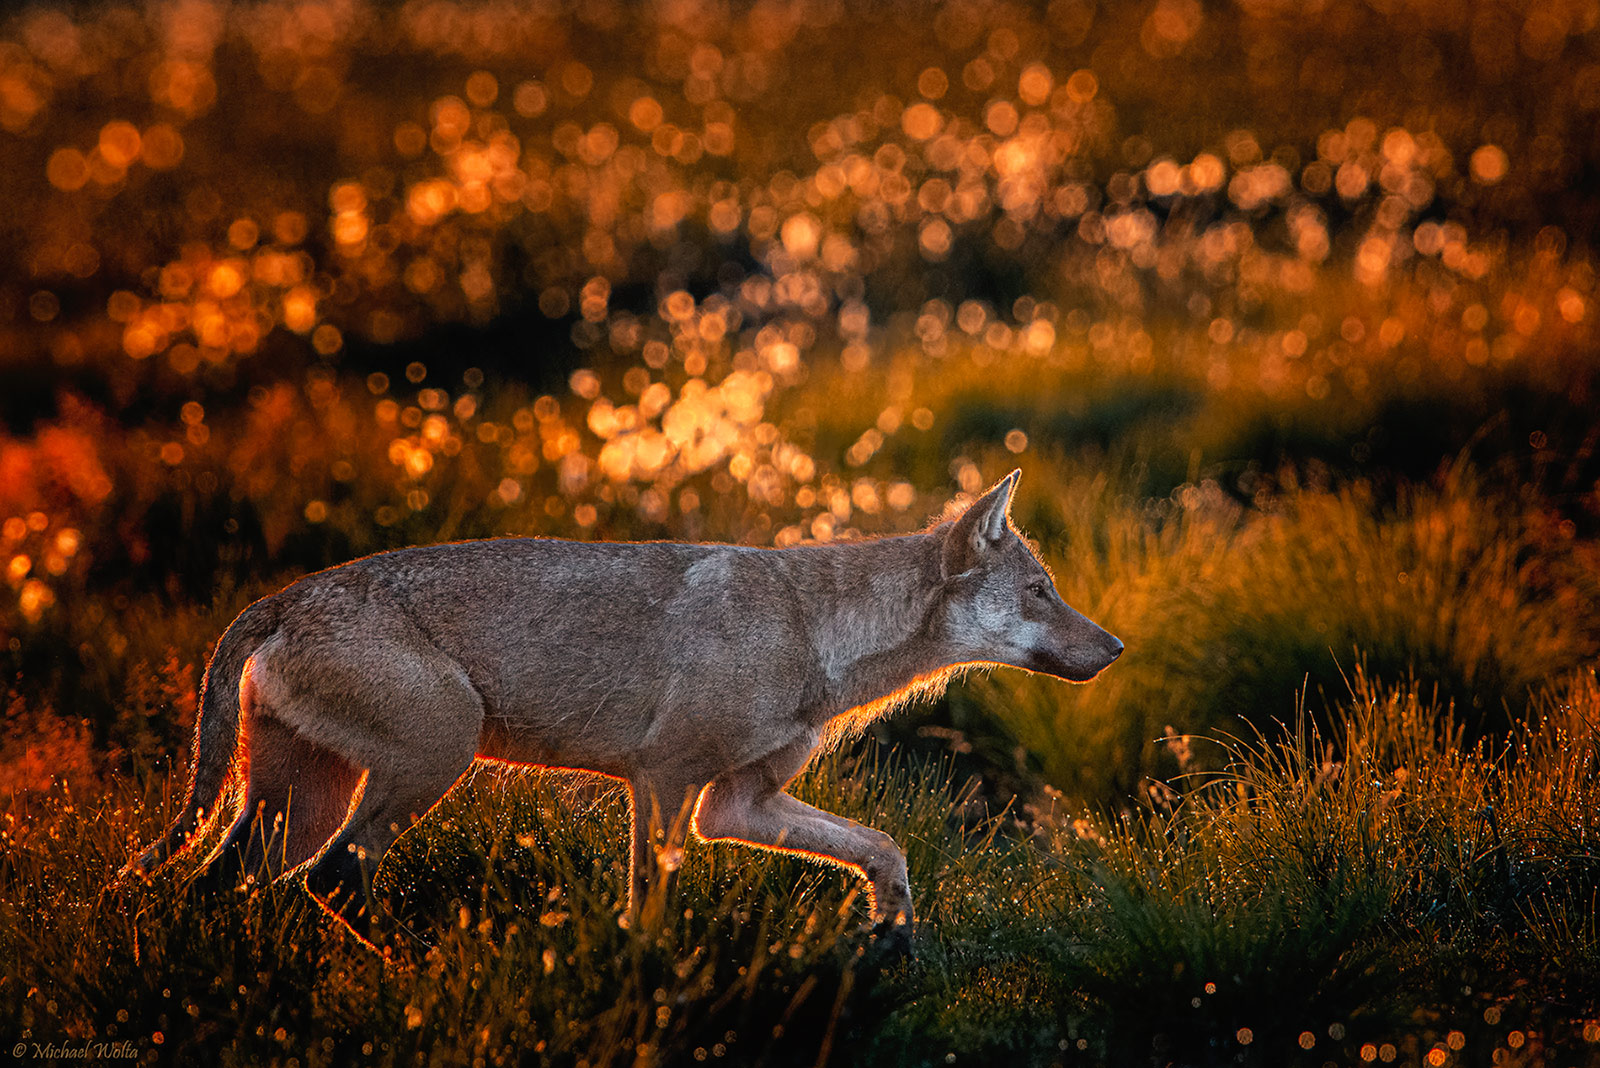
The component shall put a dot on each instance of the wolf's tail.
(216, 732)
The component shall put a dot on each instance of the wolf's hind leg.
(342, 876)
(389, 702)
(297, 795)
(408, 772)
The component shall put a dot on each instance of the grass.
(517, 882)
(1337, 870)
(1316, 884)
(1229, 611)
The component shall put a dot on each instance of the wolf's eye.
(1038, 590)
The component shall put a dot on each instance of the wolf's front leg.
(662, 807)
(747, 805)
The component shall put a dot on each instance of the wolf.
(705, 676)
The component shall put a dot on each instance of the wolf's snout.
(1116, 646)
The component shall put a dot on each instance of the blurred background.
(1286, 310)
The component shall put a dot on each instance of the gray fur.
(705, 676)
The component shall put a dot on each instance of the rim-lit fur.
(705, 676)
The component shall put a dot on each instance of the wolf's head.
(1000, 604)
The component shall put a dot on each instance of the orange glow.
(162, 147)
(1082, 86)
(327, 339)
(34, 598)
(67, 170)
(120, 143)
(1035, 84)
(183, 85)
(529, 99)
(482, 88)
(300, 309)
(226, 279)
(1489, 164)
(427, 202)
(349, 228)
(645, 113)
(243, 234)
(289, 227)
(921, 121)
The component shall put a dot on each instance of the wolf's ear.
(980, 528)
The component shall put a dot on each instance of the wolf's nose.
(1116, 647)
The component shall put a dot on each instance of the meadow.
(1286, 312)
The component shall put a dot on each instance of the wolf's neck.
(866, 610)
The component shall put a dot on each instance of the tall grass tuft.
(1319, 887)
(1228, 612)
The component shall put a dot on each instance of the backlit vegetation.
(1287, 312)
